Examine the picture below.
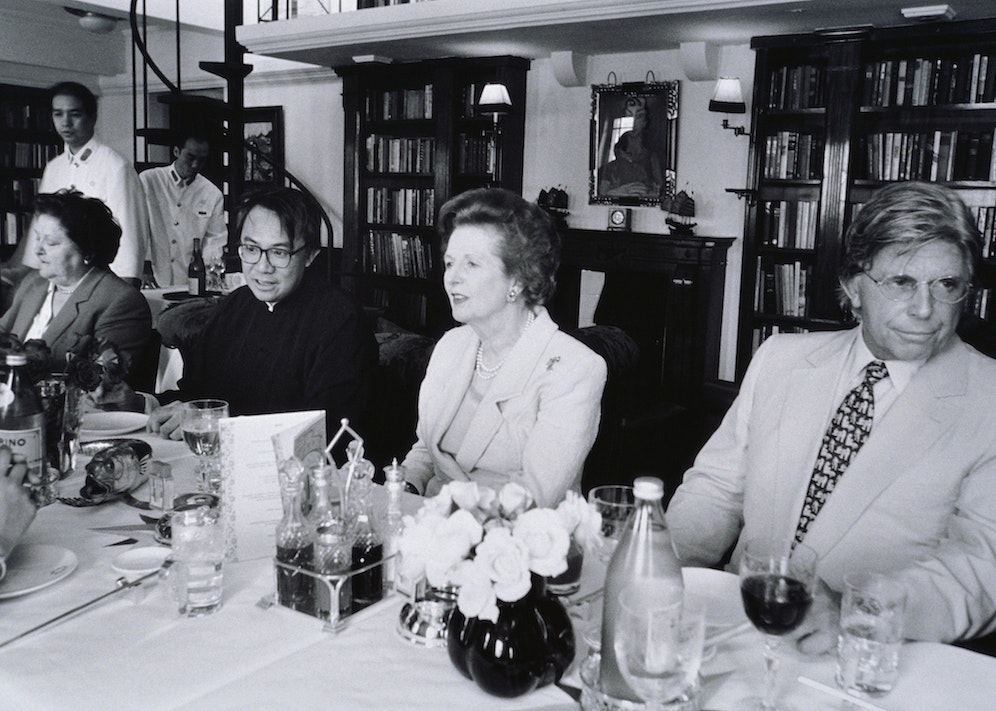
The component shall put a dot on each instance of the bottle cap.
(648, 487)
(17, 359)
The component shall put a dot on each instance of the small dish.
(105, 424)
(33, 566)
(135, 563)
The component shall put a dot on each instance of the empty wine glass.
(199, 423)
(658, 643)
(776, 583)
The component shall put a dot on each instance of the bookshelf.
(414, 139)
(838, 114)
(27, 143)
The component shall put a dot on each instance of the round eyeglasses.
(278, 257)
(901, 287)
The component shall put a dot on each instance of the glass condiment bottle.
(294, 544)
(22, 427)
(332, 556)
(368, 586)
(393, 524)
(644, 553)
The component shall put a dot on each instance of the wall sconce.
(729, 99)
(496, 102)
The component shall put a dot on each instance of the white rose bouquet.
(490, 543)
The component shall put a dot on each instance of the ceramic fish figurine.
(116, 470)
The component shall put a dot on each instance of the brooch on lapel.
(552, 362)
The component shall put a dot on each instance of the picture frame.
(634, 141)
(264, 130)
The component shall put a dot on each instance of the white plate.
(135, 563)
(34, 566)
(719, 592)
(105, 424)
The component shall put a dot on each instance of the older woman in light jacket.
(507, 396)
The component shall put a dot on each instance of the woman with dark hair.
(74, 294)
(507, 396)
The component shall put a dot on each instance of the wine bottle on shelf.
(644, 553)
(22, 427)
(197, 271)
(294, 547)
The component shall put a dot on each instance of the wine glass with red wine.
(776, 583)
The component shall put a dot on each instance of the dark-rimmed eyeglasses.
(278, 257)
(902, 287)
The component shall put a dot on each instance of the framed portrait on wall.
(264, 137)
(633, 154)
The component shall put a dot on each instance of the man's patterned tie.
(848, 430)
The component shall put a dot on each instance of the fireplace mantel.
(665, 291)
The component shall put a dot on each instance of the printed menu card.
(251, 447)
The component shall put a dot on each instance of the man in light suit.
(918, 500)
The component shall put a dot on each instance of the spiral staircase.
(224, 119)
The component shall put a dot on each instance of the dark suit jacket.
(103, 305)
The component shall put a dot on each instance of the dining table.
(133, 650)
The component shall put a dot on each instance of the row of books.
(13, 227)
(396, 104)
(792, 155)
(981, 303)
(397, 254)
(476, 153)
(937, 155)
(781, 288)
(15, 114)
(986, 222)
(390, 154)
(22, 154)
(401, 206)
(927, 81)
(470, 94)
(789, 223)
(798, 87)
(20, 194)
(761, 333)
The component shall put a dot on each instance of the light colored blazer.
(103, 305)
(535, 424)
(918, 501)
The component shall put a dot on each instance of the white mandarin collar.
(82, 155)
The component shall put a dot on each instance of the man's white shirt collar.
(82, 155)
(901, 372)
(177, 180)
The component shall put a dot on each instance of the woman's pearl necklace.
(483, 371)
(65, 289)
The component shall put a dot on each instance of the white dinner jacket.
(536, 421)
(918, 500)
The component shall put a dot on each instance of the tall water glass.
(615, 503)
(776, 583)
(658, 645)
(872, 622)
(199, 422)
(198, 540)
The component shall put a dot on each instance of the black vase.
(531, 644)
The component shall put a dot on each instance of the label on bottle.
(30, 444)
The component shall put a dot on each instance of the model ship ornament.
(680, 210)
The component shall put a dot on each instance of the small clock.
(619, 218)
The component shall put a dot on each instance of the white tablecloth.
(133, 651)
(170, 360)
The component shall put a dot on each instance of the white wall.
(710, 159)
